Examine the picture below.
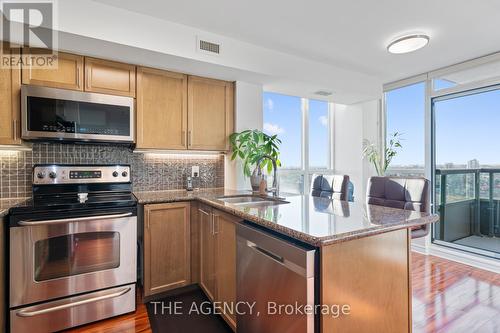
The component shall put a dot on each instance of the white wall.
(352, 124)
(248, 115)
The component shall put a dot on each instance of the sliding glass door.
(466, 166)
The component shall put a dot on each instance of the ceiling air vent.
(209, 47)
(323, 93)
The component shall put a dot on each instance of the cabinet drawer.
(74, 311)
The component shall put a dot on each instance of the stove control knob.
(40, 175)
(52, 175)
(115, 173)
(124, 174)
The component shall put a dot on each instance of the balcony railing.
(468, 201)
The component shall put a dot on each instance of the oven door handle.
(76, 219)
(24, 313)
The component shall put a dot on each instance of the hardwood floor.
(448, 297)
(451, 297)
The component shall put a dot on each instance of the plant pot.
(256, 178)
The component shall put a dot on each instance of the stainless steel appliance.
(59, 114)
(272, 272)
(72, 252)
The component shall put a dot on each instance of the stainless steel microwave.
(58, 114)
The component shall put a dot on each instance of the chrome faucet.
(275, 190)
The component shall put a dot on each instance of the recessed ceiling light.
(408, 43)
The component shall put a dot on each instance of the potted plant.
(251, 146)
(381, 163)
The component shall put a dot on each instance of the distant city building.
(449, 165)
(473, 164)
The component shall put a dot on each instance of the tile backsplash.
(150, 172)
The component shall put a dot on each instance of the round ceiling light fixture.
(408, 43)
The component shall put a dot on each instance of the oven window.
(76, 254)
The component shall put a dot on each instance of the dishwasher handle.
(267, 253)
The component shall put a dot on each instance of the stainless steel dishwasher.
(279, 277)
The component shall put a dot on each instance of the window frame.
(305, 170)
(429, 125)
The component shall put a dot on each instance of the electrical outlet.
(195, 171)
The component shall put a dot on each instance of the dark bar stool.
(332, 186)
(411, 193)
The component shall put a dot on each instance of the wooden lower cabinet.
(207, 252)
(225, 231)
(167, 247)
(218, 257)
(371, 276)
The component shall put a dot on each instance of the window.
(283, 116)
(405, 114)
(304, 128)
(319, 152)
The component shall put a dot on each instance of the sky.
(283, 116)
(406, 115)
(466, 127)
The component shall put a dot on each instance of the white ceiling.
(349, 34)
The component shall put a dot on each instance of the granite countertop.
(316, 221)
(6, 204)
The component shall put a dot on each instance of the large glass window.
(290, 117)
(283, 116)
(405, 114)
(318, 135)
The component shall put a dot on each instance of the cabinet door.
(67, 75)
(109, 77)
(207, 253)
(210, 113)
(10, 99)
(225, 231)
(167, 249)
(161, 109)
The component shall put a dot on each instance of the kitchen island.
(364, 251)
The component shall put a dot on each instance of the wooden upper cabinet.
(109, 77)
(167, 247)
(210, 113)
(67, 75)
(161, 109)
(10, 99)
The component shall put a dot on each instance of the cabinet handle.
(78, 76)
(213, 225)
(189, 138)
(14, 129)
(216, 223)
(202, 211)
(87, 78)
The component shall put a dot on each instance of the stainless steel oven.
(72, 252)
(61, 257)
(59, 114)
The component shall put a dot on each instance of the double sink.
(251, 200)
